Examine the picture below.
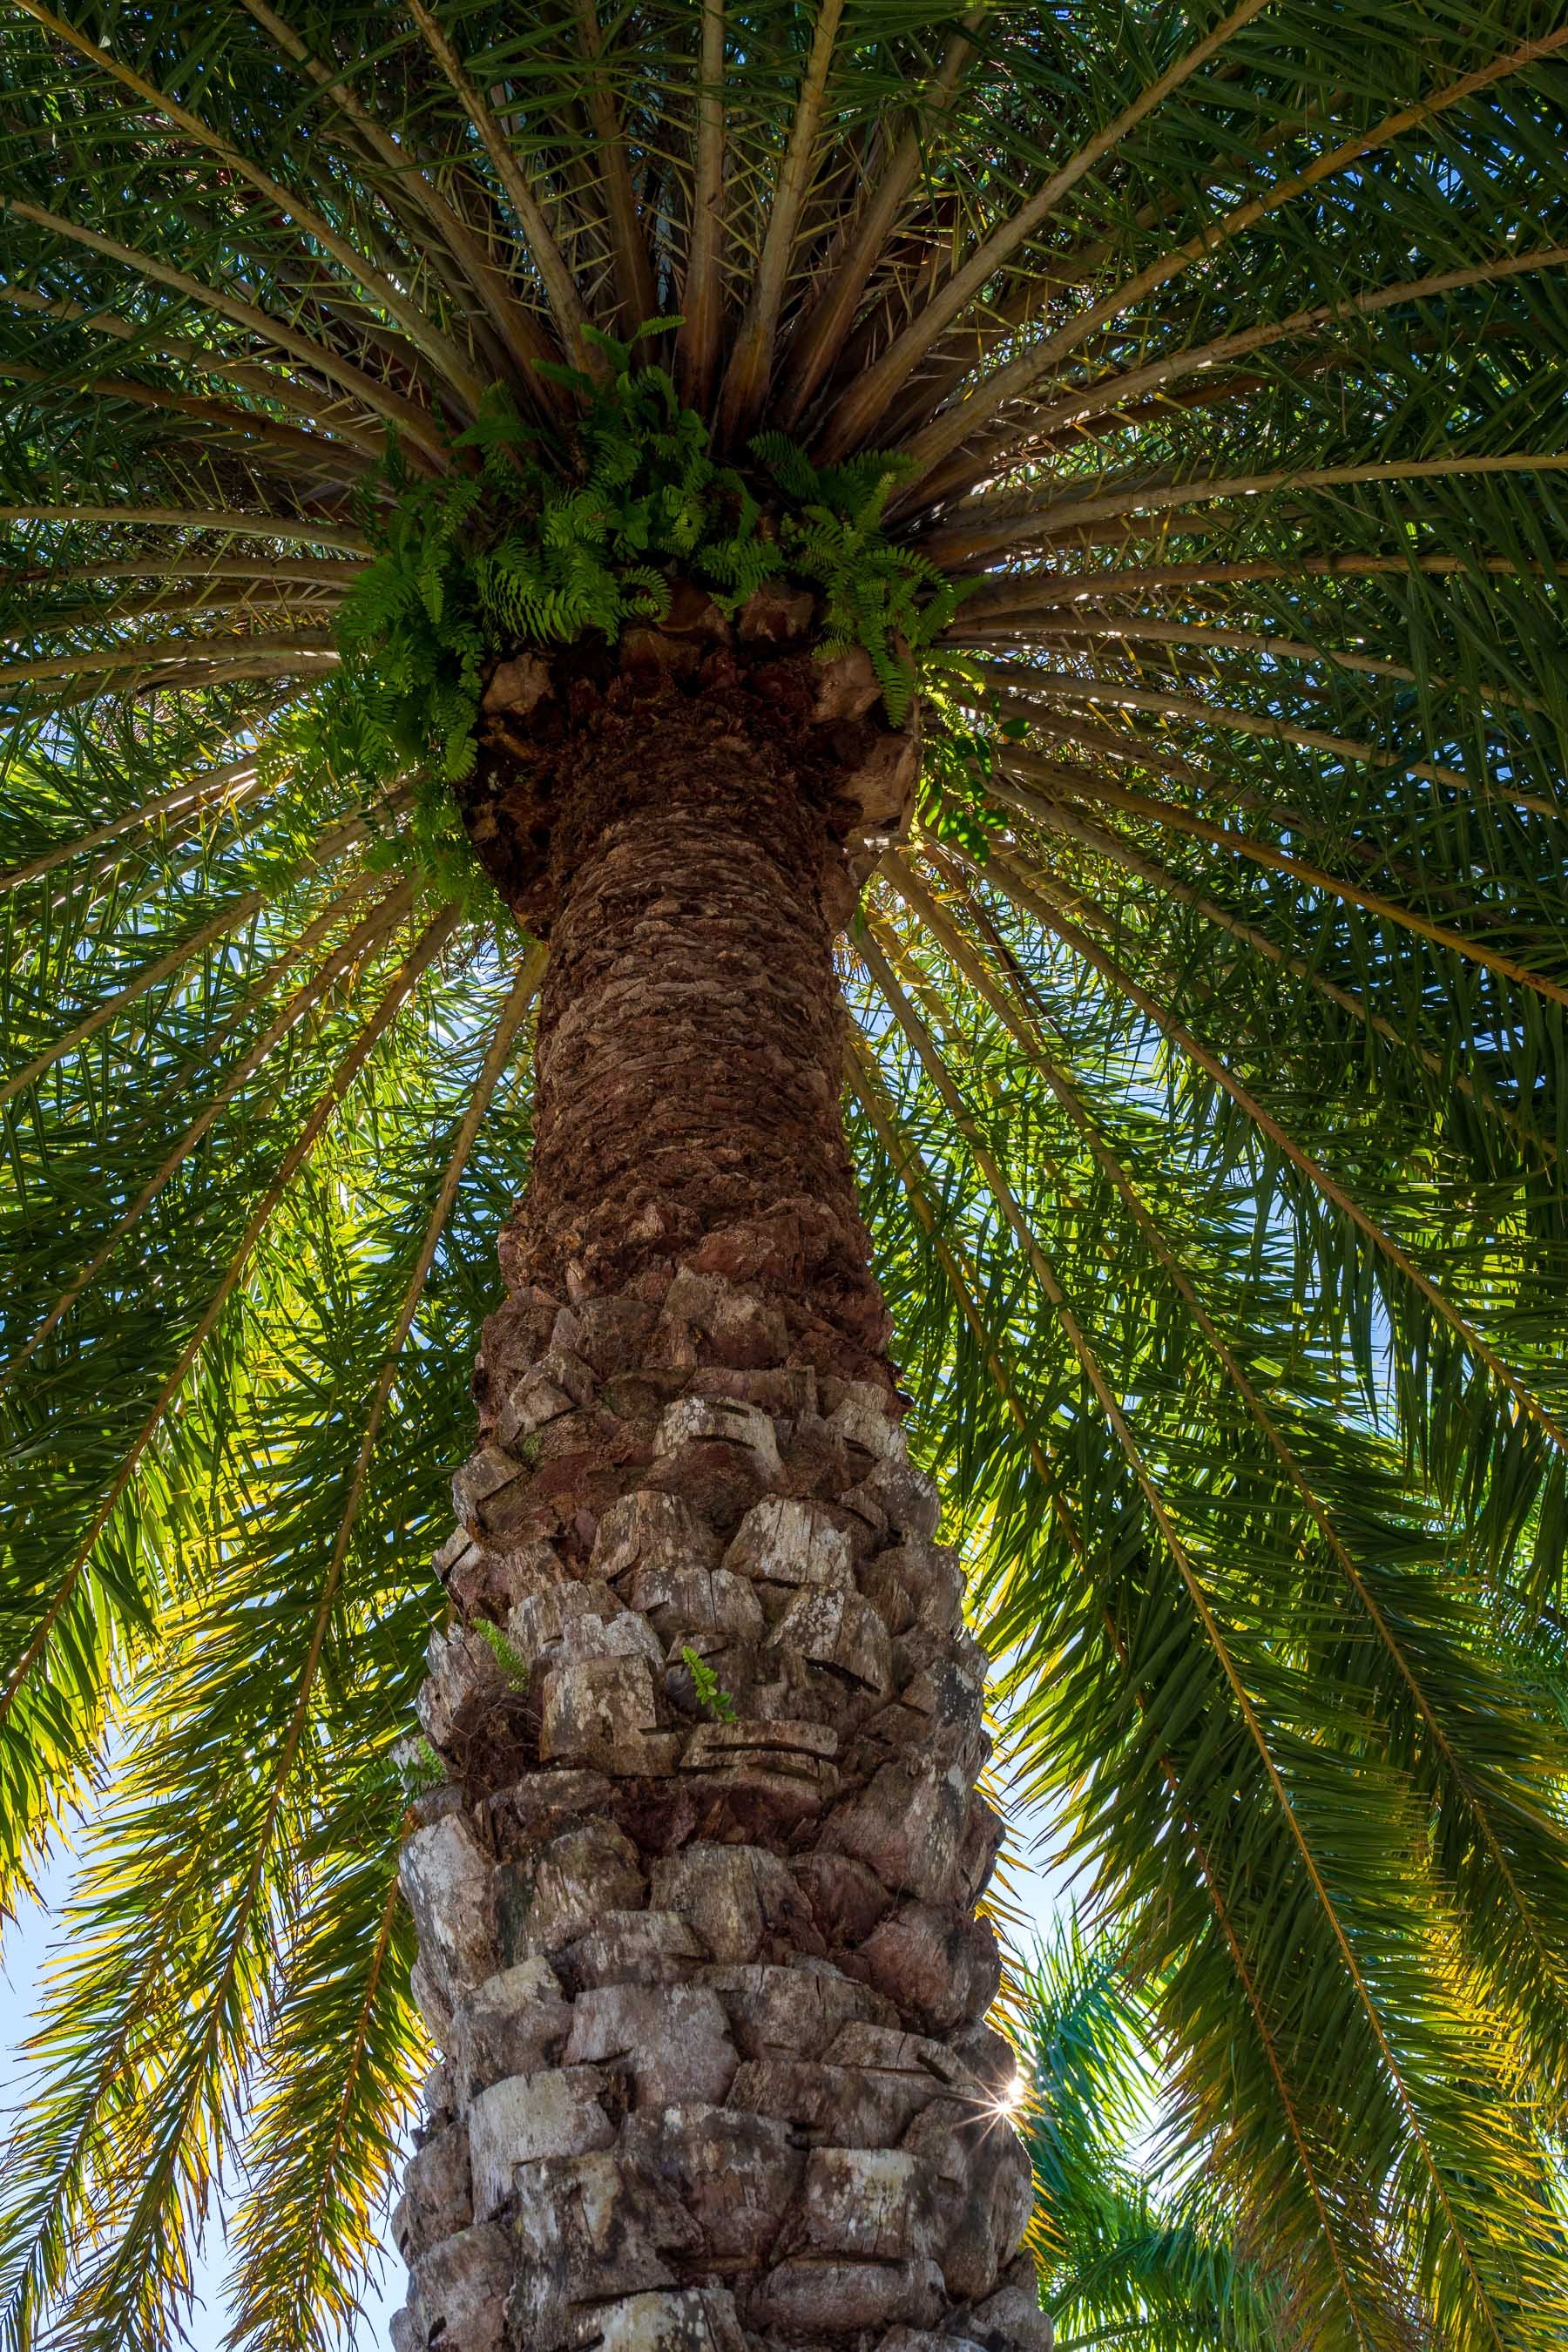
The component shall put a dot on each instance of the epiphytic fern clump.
(538, 536)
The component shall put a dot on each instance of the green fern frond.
(510, 1659)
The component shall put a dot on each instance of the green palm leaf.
(1129, 2257)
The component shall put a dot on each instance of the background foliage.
(1211, 1125)
(1137, 2249)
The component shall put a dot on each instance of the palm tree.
(614, 536)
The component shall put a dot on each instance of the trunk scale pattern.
(695, 1906)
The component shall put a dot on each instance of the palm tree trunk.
(696, 1910)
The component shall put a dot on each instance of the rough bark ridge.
(691, 1045)
(703, 1967)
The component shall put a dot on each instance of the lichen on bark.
(709, 1994)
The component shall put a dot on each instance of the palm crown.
(1206, 1082)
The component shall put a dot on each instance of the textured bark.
(706, 1978)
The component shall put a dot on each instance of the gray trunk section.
(699, 1949)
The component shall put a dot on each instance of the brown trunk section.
(690, 1038)
(704, 1970)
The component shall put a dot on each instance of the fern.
(542, 537)
(876, 594)
(507, 1656)
(418, 1767)
(710, 1692)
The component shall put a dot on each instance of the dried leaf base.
(711, 1992)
